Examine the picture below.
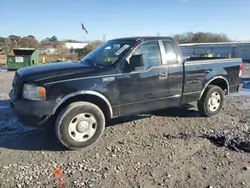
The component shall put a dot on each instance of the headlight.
(33, 92)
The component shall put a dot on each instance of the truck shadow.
(32, 140)
(184, 111)
(126, 119)
(15, 136)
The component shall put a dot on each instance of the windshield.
(108, 53)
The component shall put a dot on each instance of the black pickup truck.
(121, 77)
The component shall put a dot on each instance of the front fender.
(78, 93)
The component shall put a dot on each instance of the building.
(52, 47)
(75, 45)
(47, 48)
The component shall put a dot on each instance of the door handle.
(163, 74)
(207, 71)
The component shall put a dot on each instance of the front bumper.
(31, 113)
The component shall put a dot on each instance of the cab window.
(151, 54)
(171, 57)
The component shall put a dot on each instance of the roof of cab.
(143, 38)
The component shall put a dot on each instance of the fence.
(235, 50)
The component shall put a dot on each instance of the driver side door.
(143, 88)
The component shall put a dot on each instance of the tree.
(177, 37)
(53, 39)
(23, 43)
(33, 43)
(50, 39)
(201, 37)
(14, 37)
(189, 36)
(85, 51)
(28, 42)
(61, 49)
(5, 44)
(97, 43)
(31, 36)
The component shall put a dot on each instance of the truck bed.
(199, 71)
(204, 58)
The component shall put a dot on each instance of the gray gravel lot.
(160, 149)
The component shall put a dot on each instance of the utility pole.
(104, 38)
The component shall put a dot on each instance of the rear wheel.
(211, 101)
(79, 125)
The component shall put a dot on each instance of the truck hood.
(43, 72)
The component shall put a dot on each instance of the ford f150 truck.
(121, 77)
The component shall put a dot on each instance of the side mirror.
(136, 61)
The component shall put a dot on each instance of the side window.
(151, 54)
(171, 57)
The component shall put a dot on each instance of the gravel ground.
(167, 148)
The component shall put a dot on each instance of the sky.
(63, 18)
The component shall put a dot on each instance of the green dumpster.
(22, 57)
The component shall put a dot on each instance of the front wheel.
(79, 125)
(211, 101)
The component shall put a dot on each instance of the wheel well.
(220, 83)
(87, 98)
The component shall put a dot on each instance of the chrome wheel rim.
(82, 127)
(214, 101)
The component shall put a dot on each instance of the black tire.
(66, 116)
(203, 103)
